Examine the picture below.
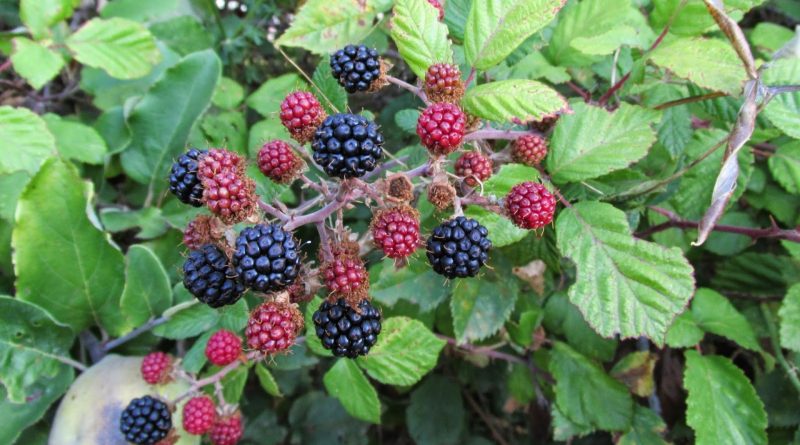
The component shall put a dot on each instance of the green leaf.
(635, 371)
(790, 319)
(496, 27)
(420, 37)
(709, 63)
(122, 48)
(624, 285)
(331, 95)
(260, 133)
(233, 384)
(323, 26)
(588, 30)
(31, 343)
(563, 428)
(35, 62)
(481, 307)
(692, 17)
(684, 332)
(416, 283)
(592, 142)
(647, 429)
(228, 94)
(268, 97)
(234, 317)
(76, 141)
(715, 314)
(227, 129)
(347, 383)
(268, 382)
(195, 357)
(312, 341)
(189, 322)
(562, 318)
(147, 291)
(39, 15)
(515, 100)
(184, 34)
(722, 406)
(582, 387)
(18, 416)
(149, 220)
(405, 352)
(24, 140)
(55, 233)
(784, 109)
(436, 413)
(407, 120)
(158, 138)
(784, 165)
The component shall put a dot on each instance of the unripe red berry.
(530, 205)
(396, 231)
(199, 232)
(223, 348)
(441, 128)
(474, 168)
(156, 367)
(273, 327)
(301, 114)
(530, 150)
(199, 414)
(443, 83)
(279, 162)
(345, 275)
(227, 191)
(227, 430)
(438, 5)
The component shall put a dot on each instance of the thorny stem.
(491, 353)
(676, 221)
(216, 377)
(688, 100)
(580, 91)
(407, 86)
(470, 77)
(135, 333)
(492, 133)
(791, 371)
(5, 65)
(272, 211)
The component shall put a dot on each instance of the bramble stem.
(492, 133)
(675, 221)
(407, 86)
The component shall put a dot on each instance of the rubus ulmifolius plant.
(404, 221)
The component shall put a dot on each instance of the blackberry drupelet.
(145, 421)
(183, 180)
(356, 67)
(345, 331)
(266, 258)
(459, 248)
(209, 277)
(347, 145)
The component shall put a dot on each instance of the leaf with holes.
(624, 285)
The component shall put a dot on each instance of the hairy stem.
(675, 221)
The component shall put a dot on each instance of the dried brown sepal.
(399, 188)
(381, 81)
(441, 193)
(172, 437)
(203, 230)
(545, 124)
(343, 248)
(306, 134)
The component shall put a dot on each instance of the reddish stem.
(676, 221)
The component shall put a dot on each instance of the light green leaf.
(30, 344)
(262, 132)
(233, 383)
(692, 17)
(18, 416)
(722, 406)
(515, 100)
(790, 319)
(323, 26)
(784, 165)
(39, 15)
(24, 140)
(592, 142)
(590, 29)
(420, 37)
(582, 387)
(416, 283)
(268, 97)
(228, 94)
(184, 34)
(684, 332)
(55, 233)
(189, 322)
(784, 109)
(624, 285)
(502, 231)
(35, 62)
(709, 63)
(435, 415)
(158, 138)
(495, 28)
(227, 129)
(407, 120)
(76, 141)
(268, 382)
(405, 352)
(647, 429)
(715, 314)
(312, 341)
(147, 291)
(122, 48)
(481, 307)
(347, 383)
(564, 429)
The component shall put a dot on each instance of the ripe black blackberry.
(356, 67)
(145, 421)
(347, 145)
(183, 180)
(266, 258)
(346, 331)
(209, 277)
(459, 248)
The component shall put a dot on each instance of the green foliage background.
(610, 326)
